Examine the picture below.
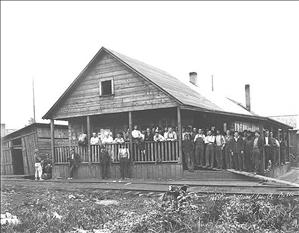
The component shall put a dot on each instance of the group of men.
(201, 148)
(155, 134)
(241, 151)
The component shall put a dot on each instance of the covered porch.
(161, 159)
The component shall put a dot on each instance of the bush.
(218, 213)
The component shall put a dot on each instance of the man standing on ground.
(188, 147)
(248, 147)
(210, 143)
(199, 141)
(258, 153)
(275, 149)
(237, 151)
(228, 158)
(124, 161)
(268, 150)
(104, 162)
(220, 141)
(38, 165)
(74, 160)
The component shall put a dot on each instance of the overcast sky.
(238, 42)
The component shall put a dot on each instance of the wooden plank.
(179, 123)
(98, 110)
(95, 102)
(152, 151)
(88, 137)
(25, 158)
(52, 137)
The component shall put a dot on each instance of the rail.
(143, 152)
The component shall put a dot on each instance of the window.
(106, 87)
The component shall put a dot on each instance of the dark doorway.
(17, 162)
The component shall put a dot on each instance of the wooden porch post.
(289, 145)
(179, 134)
(278, 138)
(130, 133)
(263, 155)
(52, 139)
(88, 138)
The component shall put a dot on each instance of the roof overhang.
(253, 117)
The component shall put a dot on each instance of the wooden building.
(115, 92)
(17, 148)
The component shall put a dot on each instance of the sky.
(239, 43)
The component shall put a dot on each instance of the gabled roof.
(184, 93)
(31, 127)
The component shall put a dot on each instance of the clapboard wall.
(138, 171)
(131, 92)
(6, 159)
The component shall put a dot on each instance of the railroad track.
(258, 188)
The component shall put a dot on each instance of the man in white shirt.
(118, 139)
(107, 139)
(170, 135)
(268, 149)
(124, 161)
(220, 142)
(210, 143)
(94, 139)
(136, 134)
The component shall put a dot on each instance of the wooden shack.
(115, 92)
(17, 148)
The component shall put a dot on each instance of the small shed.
(17, 148)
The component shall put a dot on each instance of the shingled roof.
(184, 93)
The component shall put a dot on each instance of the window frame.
(100, 86)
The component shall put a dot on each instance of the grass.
(51, 209)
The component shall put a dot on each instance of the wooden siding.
(138, 171)
(6, 161)
(30, 139)
(131, 92)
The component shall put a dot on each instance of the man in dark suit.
(258, 152)
(74, 160)
(104, 162)
(237, 151)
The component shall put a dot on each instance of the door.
(17, 162)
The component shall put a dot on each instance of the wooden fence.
(145, 152)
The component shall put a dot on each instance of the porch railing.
(145, 152)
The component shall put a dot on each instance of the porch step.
(214, 175)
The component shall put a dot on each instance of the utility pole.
(212, 83)
(33, 100)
